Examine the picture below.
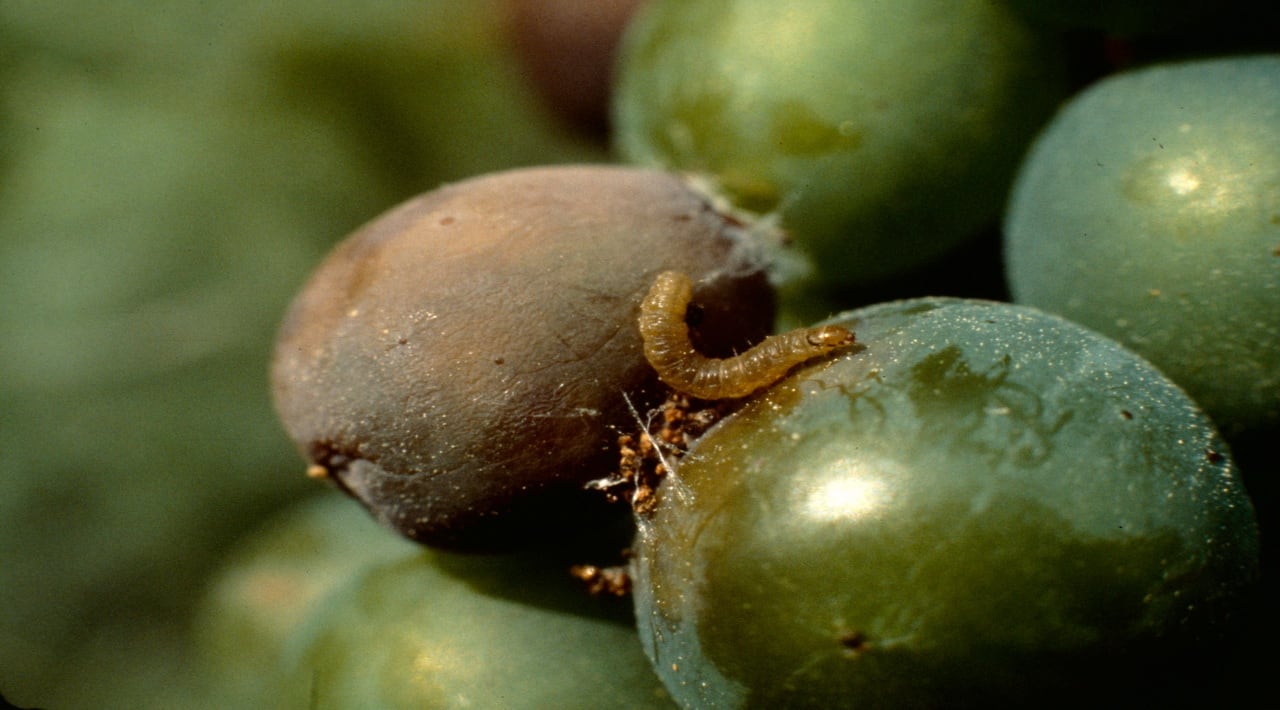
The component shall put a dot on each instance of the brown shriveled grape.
(461, 365)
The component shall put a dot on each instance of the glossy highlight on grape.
(1149, 210)
(987, 506)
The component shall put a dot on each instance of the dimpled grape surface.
(983, 505)
(1150, 210)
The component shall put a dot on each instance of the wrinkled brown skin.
(458, 365)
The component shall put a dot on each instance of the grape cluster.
(1015, 451)
(975, 503)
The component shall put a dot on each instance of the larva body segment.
(668, 349)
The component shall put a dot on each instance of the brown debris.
(664, 435)
(604, 581)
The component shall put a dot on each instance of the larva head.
(830, 337)
(459, 364)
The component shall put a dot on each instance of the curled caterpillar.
(669, 351)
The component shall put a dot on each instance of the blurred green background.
(169, 173)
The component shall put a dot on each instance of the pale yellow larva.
(672, 355)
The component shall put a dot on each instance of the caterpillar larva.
(669, 351)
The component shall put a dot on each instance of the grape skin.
(985, 504)
(1150, 211)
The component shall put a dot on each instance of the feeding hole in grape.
(854, 642)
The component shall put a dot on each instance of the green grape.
(442, 630)
(1150, 210)
(984, 505)
(880, 134)
(272, 583)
